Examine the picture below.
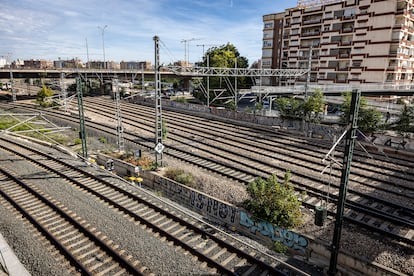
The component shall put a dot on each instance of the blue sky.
(51, 29)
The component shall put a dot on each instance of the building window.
(268, 25)
(349, 12)
(267, 43)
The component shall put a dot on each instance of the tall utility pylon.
(8, 61)
(119, 128)
(351, 135)
(158, 110)
(186, 49)
(63, 90)
(82, 131)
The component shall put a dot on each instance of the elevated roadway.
(74, 72)
(165, 71)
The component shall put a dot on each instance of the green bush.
(181, 100)
(42, 95)
(274, 201)
(184, 178)
(180, 176)
(280, 247)
(78, 141)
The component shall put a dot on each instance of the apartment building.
(70, 63)
(135, 65)
(102, 65)
(351, 41)
(38, 64)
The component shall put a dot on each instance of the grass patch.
(180, 176)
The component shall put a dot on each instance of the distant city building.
(18, 63)
(135, 65)
(352, 41)
(3, 62)
(72, 63)
(38, 64)
(182, 63)
(100, 65)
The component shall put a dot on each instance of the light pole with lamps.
(103, 44)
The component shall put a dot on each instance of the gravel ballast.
(160, 257)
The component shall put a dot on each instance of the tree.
(225, 56)
(43, 94)
(274, 201)
(289, 107)
(369, 119)
(313, 106)
(405, 120)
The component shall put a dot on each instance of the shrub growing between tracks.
(274, 201)
(180, 176)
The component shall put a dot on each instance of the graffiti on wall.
(291, 239)
(213, 207)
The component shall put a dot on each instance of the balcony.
(312, 21)
(311, 33)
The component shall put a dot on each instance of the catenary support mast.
(119, 128)
(346, 168)
(158, 110)
(82, 132)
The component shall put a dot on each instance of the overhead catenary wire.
(372, 157)
(169, 53)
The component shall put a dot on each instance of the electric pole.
(11, 77)
(159, 147)
(87, 53)
(103, 44)
(346, 168)
(119, 128)
(82, 132)
(63, 89)
(208, 45)
(187, 49)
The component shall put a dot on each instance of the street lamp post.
(103, 44)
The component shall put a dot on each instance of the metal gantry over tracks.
(187, 71)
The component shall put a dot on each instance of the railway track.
(85, 248)
(217, 148)
(221, 253)
(389, 217)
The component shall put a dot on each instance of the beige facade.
(352, 41)
(135, 65)
(38, 64)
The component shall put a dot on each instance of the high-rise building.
(350, 41)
